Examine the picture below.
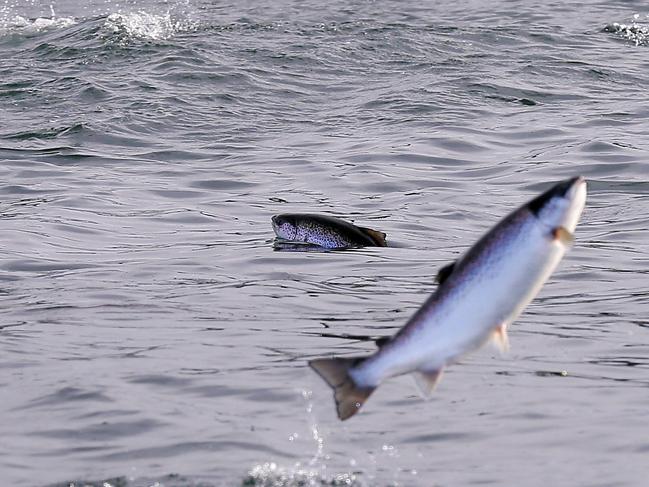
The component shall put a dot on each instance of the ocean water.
(151, 336)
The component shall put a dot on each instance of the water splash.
(318, 438)
(13, 23)
(314, 474)
(636, 32)
(272, 475)
(141, 25)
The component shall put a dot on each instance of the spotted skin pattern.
(325, 231)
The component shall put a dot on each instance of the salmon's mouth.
(576, 184)
(283, 227)
(569, 189)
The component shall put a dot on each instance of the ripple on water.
(147, 326)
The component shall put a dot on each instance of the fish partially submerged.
(478, 296)
(325, 231)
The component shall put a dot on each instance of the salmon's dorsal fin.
(563, 235)
(375, 235)
(500, 339)
(382, 341)
(426, 380)
(444, 272)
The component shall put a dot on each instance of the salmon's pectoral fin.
(348, 396)
(426, 380)
(375, 235)
(563, 235)
(500, 339)
(444, 272)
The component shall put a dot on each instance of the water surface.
(149, 333)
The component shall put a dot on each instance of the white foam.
(10, 22)
(635, 31)
(22, 25)
(272, 475)
(147, 26)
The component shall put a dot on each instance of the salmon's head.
(285, 226)
(562, 204)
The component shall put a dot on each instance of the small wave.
(22, 25)
(145, 26)
(272, 475)
(635, 32)
(46, 133)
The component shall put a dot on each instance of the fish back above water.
(325, 231)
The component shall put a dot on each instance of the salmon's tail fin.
(348, 396)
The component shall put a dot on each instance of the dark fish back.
(348, 232)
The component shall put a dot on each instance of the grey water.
(151, 335)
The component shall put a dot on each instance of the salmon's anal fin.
(348, 396)
(500, 338)
(375, 235)
(563, 236)
(426, 380)
(444, 272)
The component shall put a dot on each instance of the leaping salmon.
(478, 296)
